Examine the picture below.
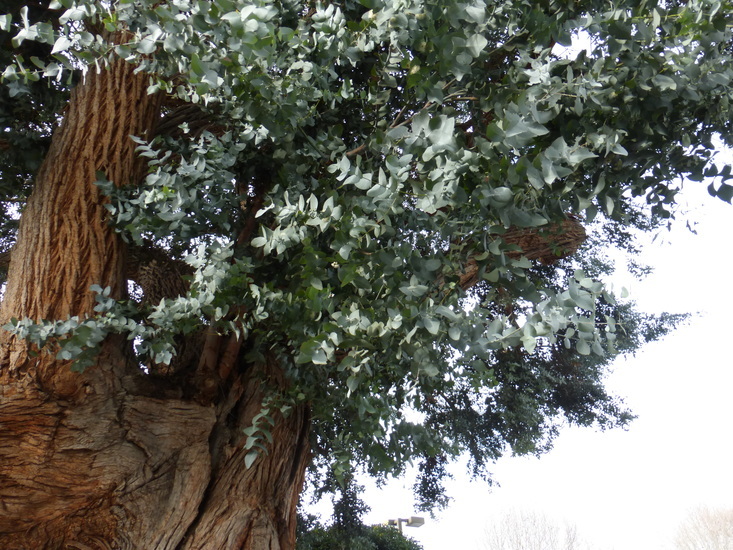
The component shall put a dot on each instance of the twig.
(356, 151)
(249, 226)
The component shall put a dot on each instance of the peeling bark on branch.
(546, 245)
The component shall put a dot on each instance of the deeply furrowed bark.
(102, 459)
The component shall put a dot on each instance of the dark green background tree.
(245, 238)
(347, 530)
(374, 537)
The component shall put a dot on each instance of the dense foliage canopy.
(343, 180)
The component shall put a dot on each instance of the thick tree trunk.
(102, 459)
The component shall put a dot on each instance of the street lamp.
(413, 521)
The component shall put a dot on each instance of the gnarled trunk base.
(115, 470)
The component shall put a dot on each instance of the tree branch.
(197, 119)
(5, 260)
(251, 222)
(544, 244)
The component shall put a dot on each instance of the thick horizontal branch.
(544, 244)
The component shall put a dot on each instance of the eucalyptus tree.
(252, 236)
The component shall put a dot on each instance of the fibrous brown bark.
(103, 458)
(543, 244)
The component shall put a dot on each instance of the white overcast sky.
(626, 490)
